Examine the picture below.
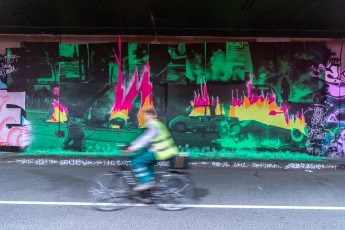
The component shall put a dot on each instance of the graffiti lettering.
(318, 115)
(123, 163)
(11, 120)
(9, 58)
(333, 75)
(225, 164)
(265, 166)
(257, 165)
(316, 130)
(163, 163)
(309, 166)
(22, 114)
(221, 164)
(82, 162)
(316, 134)
(6, 67)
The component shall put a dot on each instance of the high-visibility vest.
(163, 145)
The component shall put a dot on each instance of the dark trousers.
(143, 167)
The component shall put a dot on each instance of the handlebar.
(123, 148)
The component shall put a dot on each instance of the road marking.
(187, 205)
(268, 207)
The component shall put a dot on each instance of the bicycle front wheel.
(109, 192)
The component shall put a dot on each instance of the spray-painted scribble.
(316, 131)
(7, 67)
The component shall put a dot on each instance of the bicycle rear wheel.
(174, 191)
(109, 192)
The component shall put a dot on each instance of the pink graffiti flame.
(125, 96)
(56, 91)
(201, 98)
(253, 98)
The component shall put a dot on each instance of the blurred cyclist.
(161, 147)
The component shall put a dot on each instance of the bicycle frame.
(172, 189)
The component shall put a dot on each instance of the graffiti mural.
(220, 100)
(330, 127)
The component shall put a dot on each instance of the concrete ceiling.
(257, 18)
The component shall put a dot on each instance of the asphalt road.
(225, 199)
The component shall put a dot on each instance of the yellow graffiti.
(147, 105)
(205, 110)
(58, 116)
(266, 113)
(119, 114)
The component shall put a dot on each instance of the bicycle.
(113, 190)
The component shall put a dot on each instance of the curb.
(83, 161)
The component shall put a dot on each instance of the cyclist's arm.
(144, 140)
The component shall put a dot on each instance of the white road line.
(187, 205)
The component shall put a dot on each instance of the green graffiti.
(302, 89)
(70, 69)
(113, 72)
(228, 64)
(218, 67)
(297, 135)
(195, 70)
(69, 51)
(137, 56)
(238, 60)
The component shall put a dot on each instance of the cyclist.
(161, 147)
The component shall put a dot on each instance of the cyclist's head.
(150, 114)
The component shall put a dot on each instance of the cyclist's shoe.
(143, 187)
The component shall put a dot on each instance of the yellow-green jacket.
(158, 136)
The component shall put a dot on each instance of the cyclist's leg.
(142, 167)
(151, 168)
